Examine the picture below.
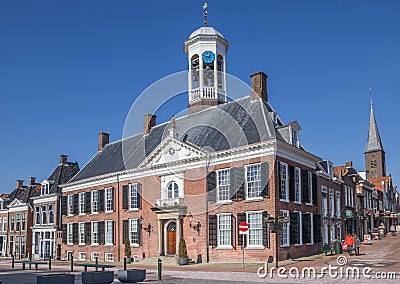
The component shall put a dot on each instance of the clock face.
(208, 57)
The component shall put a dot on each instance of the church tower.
(206, 49)
(374, 153)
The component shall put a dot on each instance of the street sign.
(243, 227)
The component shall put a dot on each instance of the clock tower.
(206, 49)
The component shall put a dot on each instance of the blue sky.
(70, 69)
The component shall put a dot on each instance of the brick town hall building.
(198, 177)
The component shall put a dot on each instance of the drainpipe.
(116, 206)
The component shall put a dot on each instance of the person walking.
(349, 242)
(357, 244)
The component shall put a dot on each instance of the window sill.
(108, 212)
(309, 204)
(284, 200)
(133, 210)
(82, 214)
(70, 244)
(70, 215)
(222, 202)
(224, 247)
(83, 244)
(285, 246)
(298, 245)
(94, 245)
(254, 199)
(255, 248)
(108, 245)
(94, 213)
(134, 245)
(297, 202)
(310, 244)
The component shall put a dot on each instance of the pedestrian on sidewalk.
(357, 244)
(349, 242)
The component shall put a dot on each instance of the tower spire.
(205, 13)
(370, 98)
(374, 142)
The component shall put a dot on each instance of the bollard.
(49, 263)
(72, 261)
(124, 263)
(30, 260)
(159, 269)
(97, 263)
(12, 261)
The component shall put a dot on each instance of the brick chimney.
(349, 164)
(104, 139)
(32, 181)
(259, 86)
(20, 183)
(149, 122)
(63, 159)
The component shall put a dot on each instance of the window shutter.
(237, 183)
(241, 217)
(304, 185)
(113, 232)
(88, 201)
(112, 199)
(212, 230)
(314, 189)
(125, 230)
(294, 227)
(264, 179)
(75, 233)
(101, 233)
(233, 229)
(88, 233)
(291, 183)
(139, 195)
(139, 226)
(76, 203)
(64, 232)
(278, 169)
(306, 228)
(211, 187)
(64, 204)
(317, 228)
(265, 229)
(125, 189)
(101, 200)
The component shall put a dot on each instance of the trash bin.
(337, 247)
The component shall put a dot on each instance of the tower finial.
(370, 98)
(205, 14)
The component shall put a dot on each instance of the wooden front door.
(171, 238)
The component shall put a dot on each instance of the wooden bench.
(36, 263)
(102, 266)
(327, 248)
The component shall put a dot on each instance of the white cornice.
(44, 198)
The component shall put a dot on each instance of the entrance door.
(47, 253)
(171, 238)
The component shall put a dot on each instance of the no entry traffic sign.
(243, 227)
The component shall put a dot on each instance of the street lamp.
(195, 227)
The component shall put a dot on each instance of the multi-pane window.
(11, 244)
(253, 178)
(70, 210)
(332, 205)
(95, 201)
(285, 235)
(95, 233)
(82, 256)
(255, 235)
(338, 207)
(45, 189)
(37, 212)
(4, 224)
(109, 199)
(1, 224)
(44, 214)
(82, 202)
(17, 244)
(310, 187)
(294, 137)
(297, 185)
(70, 233)
(109, 232)
(109, 257)
(23, 221)
(23, 244)
(324, 206)
(173, 190)
(18, 222)
(94, 256)
(224, 230)
(133, 231)
(223, 184)
(133, 196)
(283, 186)
(12, 222)
(82, 234)
(51, 213)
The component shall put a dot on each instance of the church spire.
(374, 142)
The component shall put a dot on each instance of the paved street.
(382, 257)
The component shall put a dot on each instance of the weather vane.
(205, 5)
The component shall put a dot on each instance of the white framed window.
(109, 199)
(4, 224)
(44, 214)
(37, 212)
(94, 255)
(51, 214)
(324, 205)
(223, 185)
(82, 233)
(81, 256)
(285, 232)
(173, 190)
(70, 207)
(310, 189)
(82, 203)
(332, 205)
(283, 187)
(352, 196)
(297, 185)
(70, 234)
(133, 196)
(95, 201)
(44, 188)
(310, 237)
(338, 209)
(300, 228)
(95, 233)
(294, 137)
(224, 232)
(109, 232)
(325, 233)
(253, 181)
(109, 257)
(134, 231)
(255, 232)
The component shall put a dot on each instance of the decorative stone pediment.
(15, 203)
(170, 151)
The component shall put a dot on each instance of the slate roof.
(374, 142)
(237, 123)
(62, 174)
(24, 193)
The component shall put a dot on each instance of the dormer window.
(294, 137)
(1, 205)
(45, 188)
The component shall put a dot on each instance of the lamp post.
(195, 227)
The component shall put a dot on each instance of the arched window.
(195, 71)
(173, 190)
(220, 69)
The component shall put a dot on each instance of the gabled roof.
(24, 193)
(374, 142)
(62, 174)
(237, 123)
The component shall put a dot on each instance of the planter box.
(183, 261)
(98, 277)
(56, 279)
(132, 275)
